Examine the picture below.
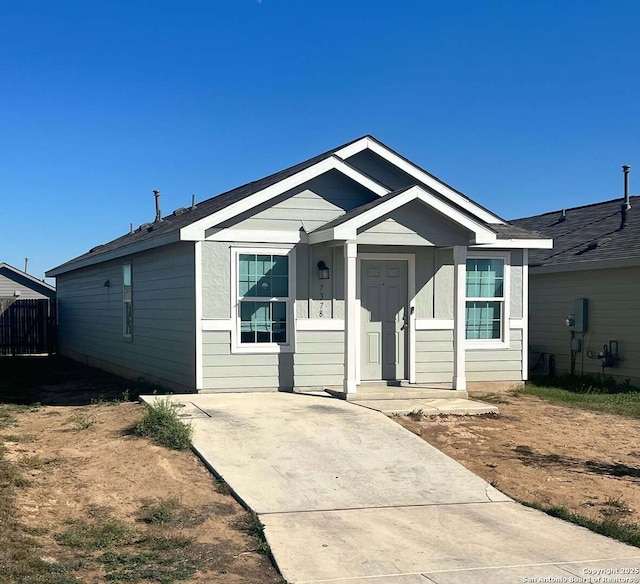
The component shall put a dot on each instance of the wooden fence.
(28, 327)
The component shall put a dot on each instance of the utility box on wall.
(581, 315)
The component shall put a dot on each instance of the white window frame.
(125, 334)
(259, 348)
(504, 341)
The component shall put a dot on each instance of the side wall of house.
(162, 346)
(613, 314)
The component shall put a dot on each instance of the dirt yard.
(84, 468)
(549, 454)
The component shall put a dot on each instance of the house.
(27, 313)
(353, 266)
(583, 298)
(16, 284)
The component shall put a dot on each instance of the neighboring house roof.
(190, 224)
(27, 280)
(587, 236)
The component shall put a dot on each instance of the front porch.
(405, 398)
(389, 298)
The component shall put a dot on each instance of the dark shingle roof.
(587, 234)
(182, 218)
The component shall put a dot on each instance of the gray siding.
(434, 357)
(308, 206)
(9, 285)
(318, 361)
(614, 314)
(414, 224)
(496, 364)
(216, 279)
(163, 343)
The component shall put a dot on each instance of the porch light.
(323, 269)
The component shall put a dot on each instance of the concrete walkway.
(347, 495)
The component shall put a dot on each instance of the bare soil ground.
(553, 455)
(83, 464)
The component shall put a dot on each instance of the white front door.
(383, 320)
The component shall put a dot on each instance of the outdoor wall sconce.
(107, 284)
(323, 269)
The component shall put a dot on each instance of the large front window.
(263, 298)
(485, 291)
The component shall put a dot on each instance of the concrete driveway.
(347, 495)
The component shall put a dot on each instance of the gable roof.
(190, 224)
(345, 226)
(27, 280)
(588, 236)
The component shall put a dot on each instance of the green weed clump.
(98, 534)
(162, 423)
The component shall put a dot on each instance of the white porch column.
(459, 315)
(350, 316)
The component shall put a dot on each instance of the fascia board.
(196, 231)
(519, 244)
(353, 149)
(435, 184)
(114, 254)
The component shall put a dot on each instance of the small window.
(263, 298)
(485, 291)
(127, 302)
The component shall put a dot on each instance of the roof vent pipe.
(626, 205)
(626, 169)
(156, 194)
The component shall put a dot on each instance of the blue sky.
(524, 106)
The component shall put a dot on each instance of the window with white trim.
(485, 298)
(127, 302)
(263, 298)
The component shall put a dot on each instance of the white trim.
(421, 175)
(352, 317)
(257, 236)
(525, 315)
(198, 314)
(517, 323)
(216, 324)
(197, 229)
(320, 324)
(505, 341)
(349, 229)
(459, 316)
(517, 244)
(434, 324)
(259, 348)
(410, 258)
(353, 148)
(114, 254)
